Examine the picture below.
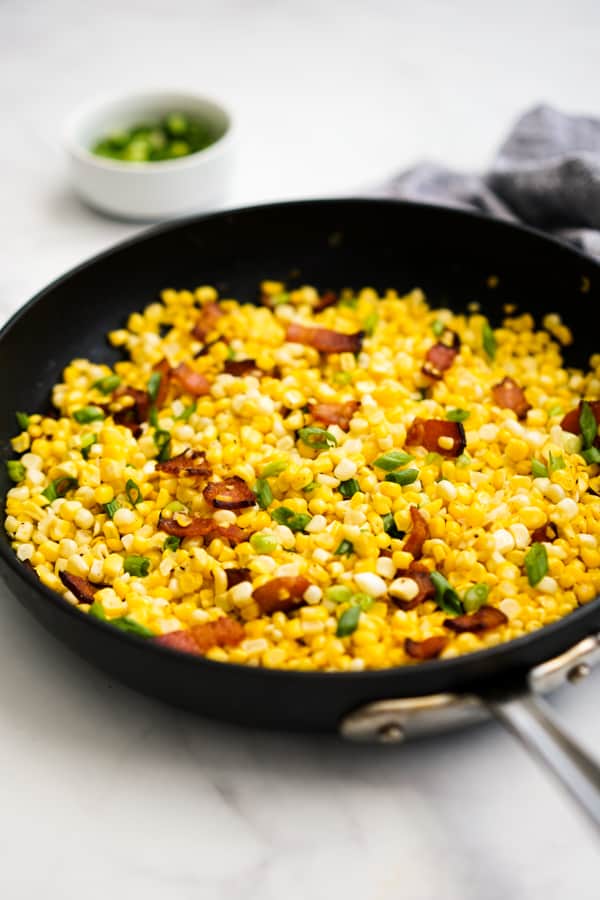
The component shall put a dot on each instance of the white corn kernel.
(547, 585)
(404, 588)
(345, 469)
(316, 525)
(446, 489)
(370, 583)
(124, 518)
(568, 508)
(520, 535)
(504, 540)
(313, 594)
(385, 567)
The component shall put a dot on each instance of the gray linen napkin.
(546, 174)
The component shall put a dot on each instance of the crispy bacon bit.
(547, 532)
(190, 462)
(236, 576)
(484, 619)
(209, 314)
(329, 298)
(191, 381)
(203, 526)
(283, 593)
(420, 574)
(230, 493)
(132, 416)
(570, 422)
(223, 632)
(441, 356)
(509, 395)
(427, 649)
(178, 640)
(429, 432)
(323, 339)
(164, 369)
(80, 587)
(334, 413)
(418, 535)
(240, 367)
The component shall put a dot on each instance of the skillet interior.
(332, 244)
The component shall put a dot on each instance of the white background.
(107, 794)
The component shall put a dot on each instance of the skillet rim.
(500, 654)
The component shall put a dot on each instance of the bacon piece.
(441, 356)
(190, 462)
(240, 367)
(329, 298)
(223, 632)
(334, 413)
(230, 493)
(547, 532)
(570, 422)
(283, 593)
(164, 370)
(509, 395)
(427, 649)
(203, 526)
(177, 640)
(191, 381)
(80, 587)
(132, 416)
(209, 315)
(323, 339)
(420, 574)
(484, 619)
(236, 576)
(418, 535)
(427, 433)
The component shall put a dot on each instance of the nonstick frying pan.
(330, 243)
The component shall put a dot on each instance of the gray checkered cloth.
(546, 174)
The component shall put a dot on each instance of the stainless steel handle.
(531, 720)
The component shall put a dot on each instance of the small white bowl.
(149, 190)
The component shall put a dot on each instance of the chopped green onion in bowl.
(170, 137)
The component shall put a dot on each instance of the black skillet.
(332, 244)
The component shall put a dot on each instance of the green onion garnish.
(187, 411)
(349, 301)
(154, 385)
(294, 521)
(97, 612)
(591, 455)
(438, 327)
(131, 627)
(15, 469)
(407, 476)
(365, 601)
(134, 495)
(162, 439)
(87, 442)
(445, 595)
(317, 438)
(338, 593)
(346, 548)
(59, 487)
(348, 621)
(264, 494)
(554, 411)
(263, 543)
(349, 488)
(463, 460)
(88, 414)
(111, 507)
(489, 340)
(475, 597)
(389, 526)
(432, 458)
(108, 384)
(22, 420)
(276, 467)
(555, 462)
(370, 324)
(175, 506)
(587, 425)
(138, 566)
(310, 486)
(153, 416)
(393, 460)
(457, 415)
(172, 542)
(536, 563)
(538, 469)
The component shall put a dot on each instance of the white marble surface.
(108, 794)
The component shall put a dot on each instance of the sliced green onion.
(16, 470)
(350, 301)
(389, 526)
(154, 385)
(153, 416)
(264, 494)
(175, 506)
(134, 495)
(279, 299)
(463, 460)
(162, 439)
(59, 487)
(591, 455)
(489, 340)
(438, 327)
(338, 593)
(538, 469)
(87, 442)
(264, 543)
(554, 411)
(555, 463)
(294, 521)
(365, 601)
(587, 425)
(138, 566)
(131, 627)
(88, 414)
(187, 411)
(22, 420)
(276, 467)
(108, 384)
(172, 542)
(349, 488)
(445, 595)
(407, 476)
(348, 621)
(536, 563)
(370, 324)
(457, 415)
(393, 460)
(475, 597)
(317, 438)
(311, 486)
(346, 548)
(111, 507)
(97, 612)
(433, 458)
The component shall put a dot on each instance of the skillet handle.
(531, 720)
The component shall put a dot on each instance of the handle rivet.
(390, 733)
(581, 670)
